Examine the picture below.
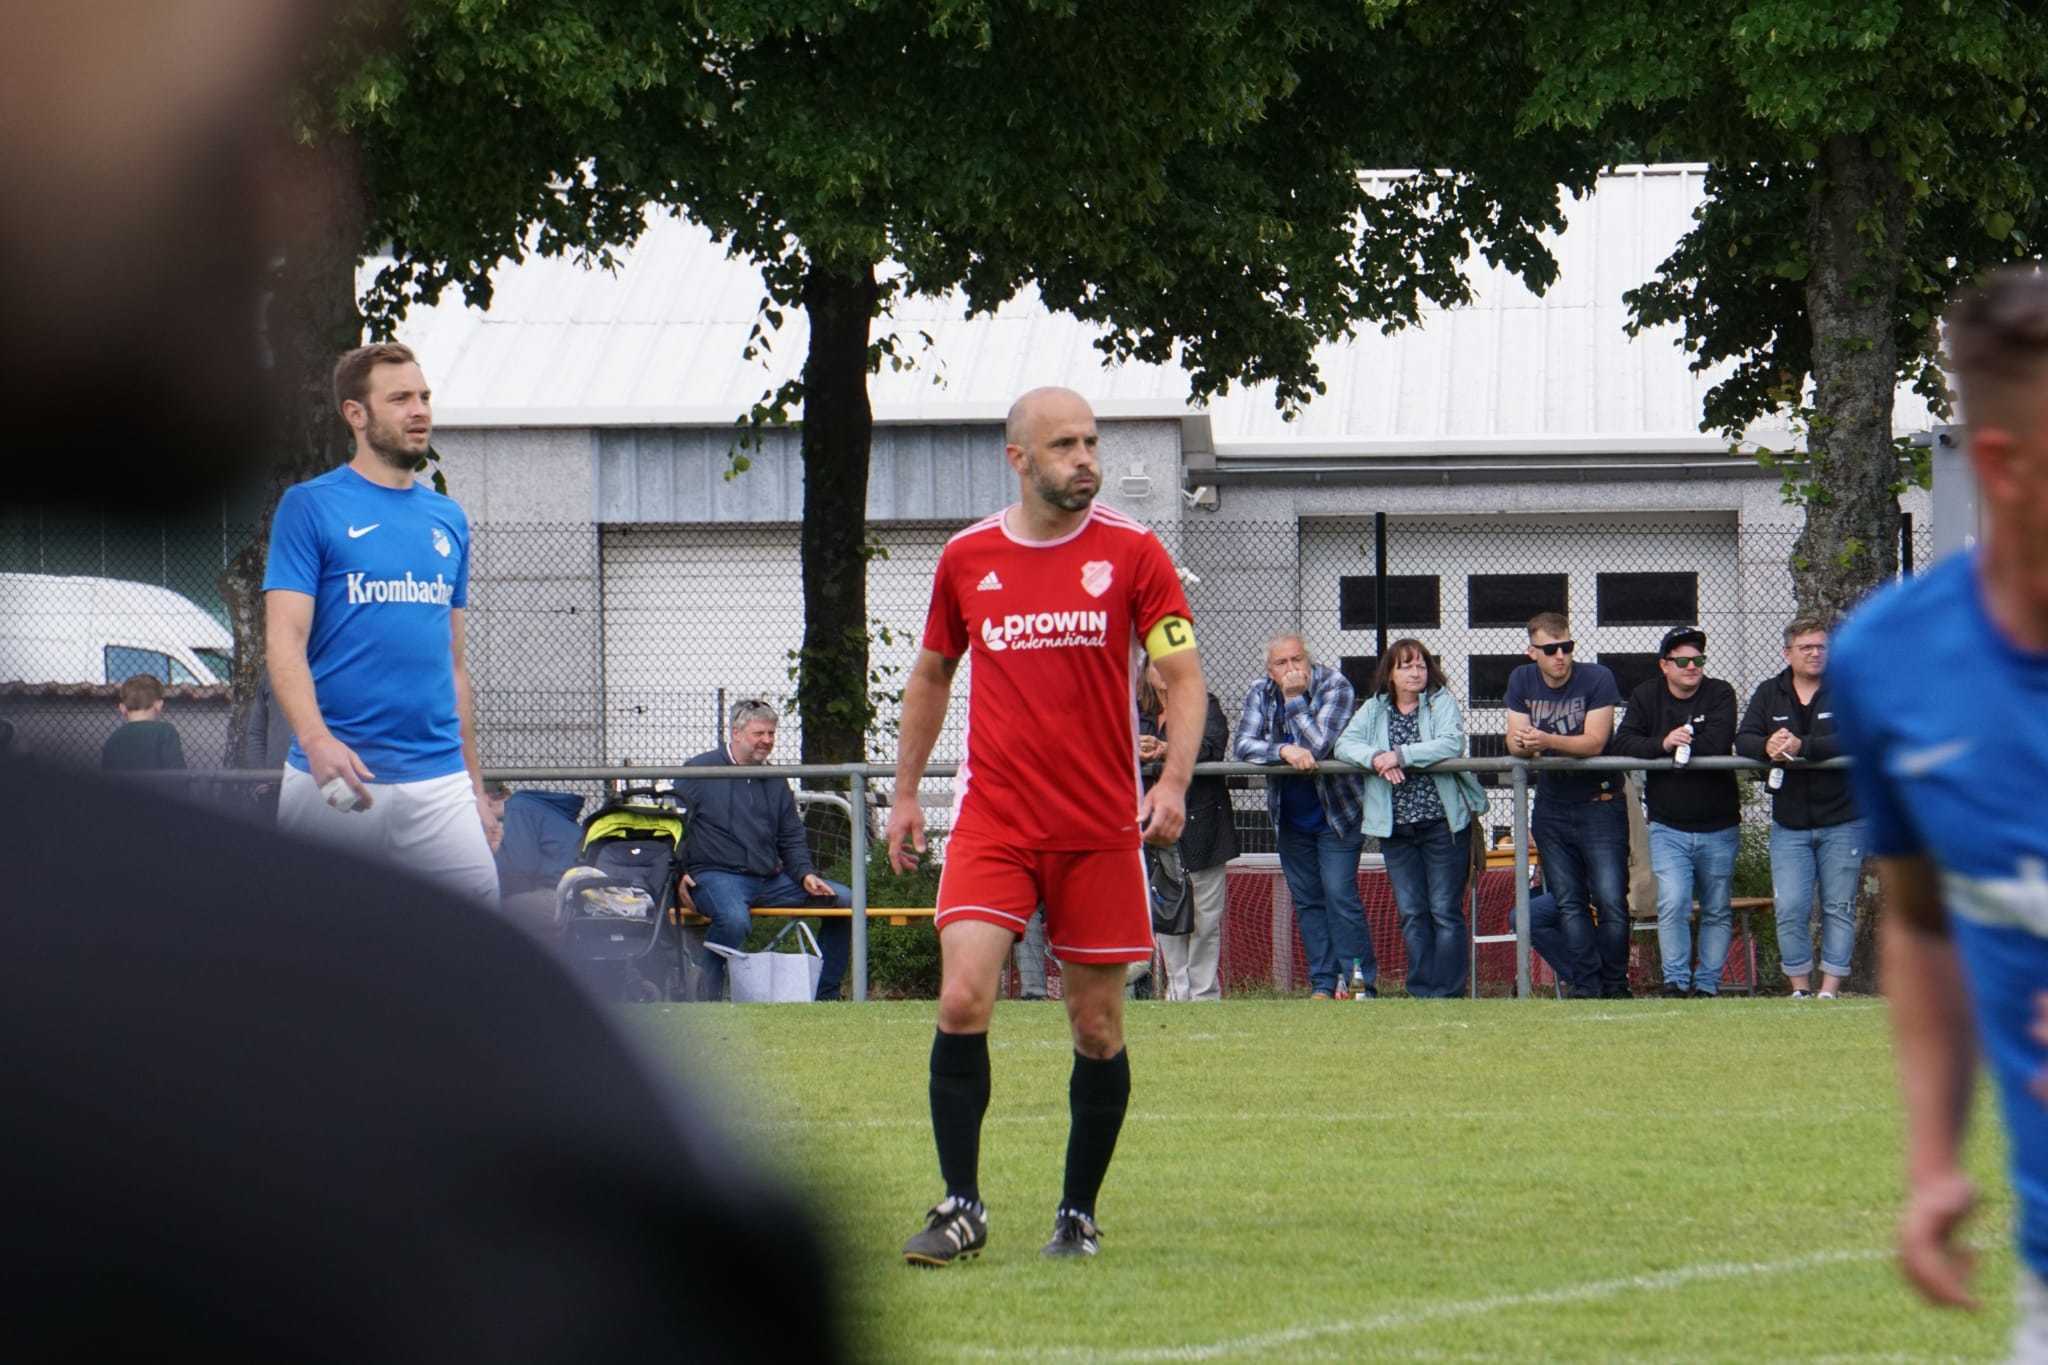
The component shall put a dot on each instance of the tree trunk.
(314, 317)
(1856, 226)
(832, 682)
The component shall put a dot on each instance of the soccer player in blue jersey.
(366, 584)
(1942, 701)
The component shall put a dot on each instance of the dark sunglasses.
(1561, 647)
(1686, 660)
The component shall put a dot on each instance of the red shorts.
(1096, 908)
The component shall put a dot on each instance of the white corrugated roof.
(659, 342)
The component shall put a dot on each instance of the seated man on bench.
(746, 848)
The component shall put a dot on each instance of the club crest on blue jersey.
(441, 543)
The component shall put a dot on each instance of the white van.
(105, 630)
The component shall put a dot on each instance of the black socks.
(959, 1099)
(1098, 1095)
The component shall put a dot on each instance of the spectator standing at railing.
(364, 593)
(1695, 817)
(1942, 685)
(1558, 708)
(747, 847)
(1207, 842)
(1424, 820)
(1817, 836)
(145, 741)
(1293, 716)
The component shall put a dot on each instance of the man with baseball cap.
(1694, 816)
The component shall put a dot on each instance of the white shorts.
(431, 829)
(2030, 1333)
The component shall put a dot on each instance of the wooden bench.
(891, 914)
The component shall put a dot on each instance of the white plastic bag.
(772, 978)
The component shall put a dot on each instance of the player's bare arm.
(288, 625)
(1162, 812)
(1937, 1060)
(925, 696)
(465, 712)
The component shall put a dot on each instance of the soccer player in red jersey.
(1054, 596)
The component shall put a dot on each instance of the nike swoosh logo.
(355, 534)
(1920, 762)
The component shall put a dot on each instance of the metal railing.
(862, 796)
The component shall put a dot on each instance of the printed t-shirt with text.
(1053, 627)
(1563, 711)
(384, 567)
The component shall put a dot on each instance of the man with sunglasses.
(1694, 816)
(1558, 708)
(1816, 837)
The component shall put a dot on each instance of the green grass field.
(1401, 1180)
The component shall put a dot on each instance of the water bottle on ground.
(1358, 980)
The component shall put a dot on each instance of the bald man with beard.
(1054, 595)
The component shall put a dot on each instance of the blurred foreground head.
(143, 147)
(1997, 339)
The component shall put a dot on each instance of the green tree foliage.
(1867, 158)
(1184, 174)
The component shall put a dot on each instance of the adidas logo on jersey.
(1045, 630)
(990, 583)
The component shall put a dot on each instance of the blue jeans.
(1687, 866)
(1427, 865)
(1322, 877)
(725, 897)
(1584, 847)
(1546, 934)
(1831, 856)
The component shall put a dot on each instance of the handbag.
(772, 978)
(1166, 881)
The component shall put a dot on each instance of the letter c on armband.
(1172, 635)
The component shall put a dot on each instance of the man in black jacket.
(747, 848)
(1694, 817)
(1816, 835)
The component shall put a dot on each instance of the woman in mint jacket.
(1423, 819)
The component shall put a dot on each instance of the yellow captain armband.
(1172, 635)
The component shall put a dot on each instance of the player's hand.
(2039, 1031)
(906, 823)
(328, 758)
(1680, 735)
(494, 828)
(815, 884)
(1162, 814)
(1938, 1266)
(1298, 758)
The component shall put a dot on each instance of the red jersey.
(1054, 626)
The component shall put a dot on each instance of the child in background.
(145, 740)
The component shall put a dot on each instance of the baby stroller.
(615, 905)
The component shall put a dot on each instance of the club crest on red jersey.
(1095, 576)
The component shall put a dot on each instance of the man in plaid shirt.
(1294, 716)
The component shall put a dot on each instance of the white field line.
(1305, 1116)
(1263, 1343)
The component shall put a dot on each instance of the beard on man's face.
(1066, 497)
(389, 442)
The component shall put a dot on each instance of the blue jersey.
(1948, 725)
(384, 567)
